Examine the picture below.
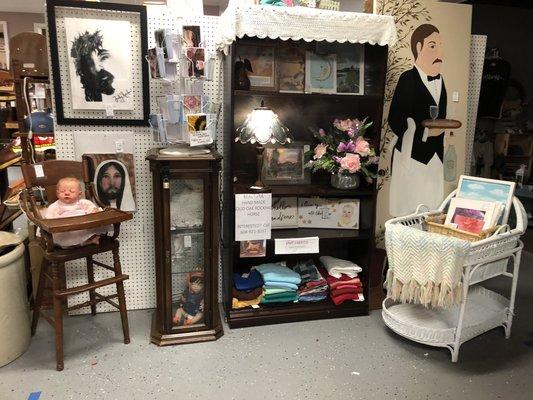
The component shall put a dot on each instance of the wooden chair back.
(46, 174)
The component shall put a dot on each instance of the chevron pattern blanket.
(424, 268)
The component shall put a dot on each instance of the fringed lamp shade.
(263, 126)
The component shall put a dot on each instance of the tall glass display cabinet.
(186, 229)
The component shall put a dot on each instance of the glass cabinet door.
(187, 259)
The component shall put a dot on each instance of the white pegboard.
(64, 59)
(137, 236)
(478, 43)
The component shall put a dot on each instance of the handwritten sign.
(284, 212)
(307, 245)
(253, 216)
(200, 138)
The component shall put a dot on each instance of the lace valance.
(297, 23)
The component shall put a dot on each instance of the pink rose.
(351, 163)
(322, 132)
(320, 150)
(362, 147)
(348, 125)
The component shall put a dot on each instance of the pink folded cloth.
(343, 286)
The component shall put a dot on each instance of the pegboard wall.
(478, 43)
(137, 236)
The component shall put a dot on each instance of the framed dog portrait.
(93, 49)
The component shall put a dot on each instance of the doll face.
(68, 191)
(197, 287)
(347, 213)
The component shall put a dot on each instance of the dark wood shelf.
(322, 233)
(311, 190)
(328, 96)
(303, 311)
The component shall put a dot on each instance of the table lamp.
(262, 126)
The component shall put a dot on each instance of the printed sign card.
(316, 212)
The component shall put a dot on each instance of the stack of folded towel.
(247, 289)
(313, 286)
(342, 279)
(281, 283)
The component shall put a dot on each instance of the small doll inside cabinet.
(191, 304)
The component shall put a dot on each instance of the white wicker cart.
(481, 309)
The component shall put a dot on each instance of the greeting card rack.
(298, 111)
(185, 116)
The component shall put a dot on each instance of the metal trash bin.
(14, 309)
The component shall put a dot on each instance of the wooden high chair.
(43, 178)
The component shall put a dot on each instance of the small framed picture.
(263, 62)
(471, 187)
(317, 212)
(471, 215)
(192, 103)
(253, 248)
(320, 73)
(350, 69)
(284, 165)
(191, 36)
(291, 69)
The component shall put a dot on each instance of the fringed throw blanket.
(424, 268)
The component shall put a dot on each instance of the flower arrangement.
(344, 150)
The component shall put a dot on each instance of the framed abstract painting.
(93, 48)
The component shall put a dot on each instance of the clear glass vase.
(344, 181)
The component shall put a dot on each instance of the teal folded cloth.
(271, 291)
(280, 285)
(281, 297)
(278, 273)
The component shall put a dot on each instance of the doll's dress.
(59, 209)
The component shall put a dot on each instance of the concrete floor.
(350, 358)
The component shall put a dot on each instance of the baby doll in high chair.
(191, 306)
(69, 203)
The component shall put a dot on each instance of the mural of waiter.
(417, 163)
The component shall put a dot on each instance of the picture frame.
(319, 212)
(291, 69)
(285, 165)
(472, 216)
(117, 98)
(252, 248)
(320, 73)
(350, 69)
(476, 188)
(4, 46)
(262, 58)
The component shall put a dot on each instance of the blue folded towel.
(247, 281)
(278, 273)
(280, 285)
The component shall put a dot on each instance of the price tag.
(119, 146)
(39, 172)
(187, 241)
(109, 111)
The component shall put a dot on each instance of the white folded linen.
(336, 267)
